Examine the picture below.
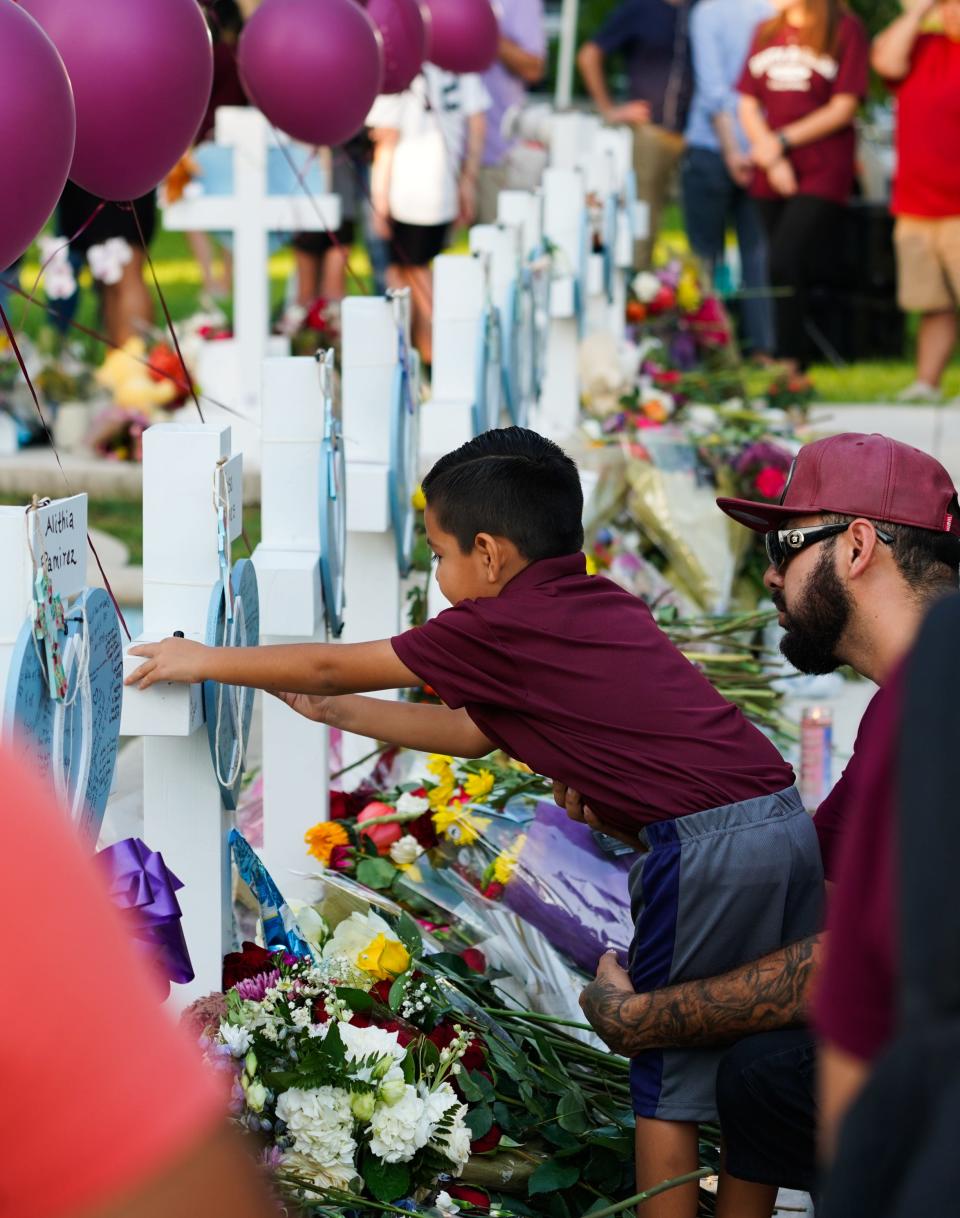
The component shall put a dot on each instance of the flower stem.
(700, 1174)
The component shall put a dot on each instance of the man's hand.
(603, 1001)
(740, 168)
(633, 113)
(782, 178)
(572, 802)
(179, 660)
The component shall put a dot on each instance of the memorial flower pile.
(346, 1063)
(672, 302)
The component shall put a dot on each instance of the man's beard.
(815, 624)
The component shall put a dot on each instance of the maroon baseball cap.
(859, 475)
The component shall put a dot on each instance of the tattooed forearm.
(757, 997)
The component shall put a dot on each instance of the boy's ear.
(493, 555)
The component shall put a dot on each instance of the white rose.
(646, 286)
(408, 802)
(406, 850)
(354, 935)
(446, 1204)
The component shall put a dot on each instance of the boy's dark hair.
(512, 483)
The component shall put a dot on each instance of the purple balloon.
(37, 129)
(313, 67)
(403, 32)
(142, 71)
(463, 36)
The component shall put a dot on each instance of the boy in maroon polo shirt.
(570, 674)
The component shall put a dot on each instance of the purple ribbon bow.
(141, 883)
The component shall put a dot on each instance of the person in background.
(653, 37)
(805, 76)
(428, 143)
(717, 171)
(923, 69)
(109, 1110)
(521, 62)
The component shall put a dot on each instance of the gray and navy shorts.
(716, 889)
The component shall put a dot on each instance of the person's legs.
(665, 1150)
(307, 266)
(756, 307)
(656, 155)
(128, 305)
(490, 181)
(706, 193)
(936, 341)
(926, 255)
(801, 232)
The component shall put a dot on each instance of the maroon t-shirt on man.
(856, 1000)
(790, 81)
(570, 674)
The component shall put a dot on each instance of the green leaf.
(332, 1044)
(479, 1121)
(356, 1000)
(572, 1112)
(386, 1181)
(410, 1067)
(376, 873)
(450, 962)
(551, 1177)
(410, 935)
(397, 991)
(476, 1087)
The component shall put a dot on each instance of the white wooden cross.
(184, 817)
(512, 296)
(230, 368)
(295, 750)
(565, 227)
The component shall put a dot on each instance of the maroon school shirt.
(833, 815)
(855, 1003)
(790, 81)
(570, 674)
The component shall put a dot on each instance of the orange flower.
(322, 838)
(655, 411)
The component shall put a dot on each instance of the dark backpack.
(899, 1148)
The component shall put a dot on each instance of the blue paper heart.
(404, 454)
(84, 735)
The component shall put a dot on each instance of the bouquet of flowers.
(671, 302)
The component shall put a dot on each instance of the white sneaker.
(920, 394)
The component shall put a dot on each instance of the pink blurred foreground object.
(37, 128)
(403, 31)
(141, 71)
(313, 67)
(463, 36)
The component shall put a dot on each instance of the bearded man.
(864, 539)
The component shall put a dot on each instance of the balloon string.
(334, 238)
(66, 245)
(36, 401)
(166, 312)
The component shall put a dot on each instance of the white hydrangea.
(320, 1122)
(436, 1104)
(406, 850)
(238, 1040)
(398, 1130)
(370, 1042)
(410, 803)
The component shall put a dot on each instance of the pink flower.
(342, 858)
(770, 482)
(382, 836)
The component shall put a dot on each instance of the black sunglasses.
(783, 544)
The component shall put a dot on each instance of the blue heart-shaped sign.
(229, 710)
(72, 744)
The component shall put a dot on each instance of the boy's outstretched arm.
(430, 729)
(301, 668)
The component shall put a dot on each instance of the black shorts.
(115, 220)
(417, 244)
(321, 243)
(766, 1098)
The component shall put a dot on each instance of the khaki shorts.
(928, 263)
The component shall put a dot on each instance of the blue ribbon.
(141, 883)
(280, 929)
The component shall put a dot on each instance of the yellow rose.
(384, 958)
(478, 785)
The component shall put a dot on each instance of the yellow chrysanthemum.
(439, 764)
(457, 825)
(441, 793)
(418, 499)
(322, 838)
(478, 785)
(384, 958)
(505, 863)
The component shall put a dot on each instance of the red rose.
(770, 482)
(251, 962)
(474, 959)
(381, 992)
(382, 836)
(424, 831)
(474, 1197)
(490, 1141)
(493, 892)
(475, 1057)
(342, 858)
(339, 805)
